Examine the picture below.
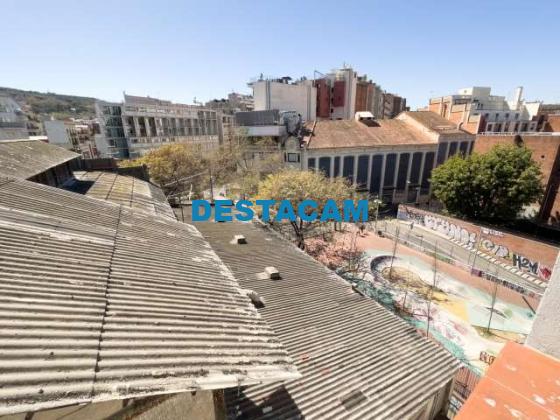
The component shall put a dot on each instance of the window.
(497, 115)
(293, 157)
(516, 116)
(507, 115)
(489, 127)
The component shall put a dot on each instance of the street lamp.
(377, 203)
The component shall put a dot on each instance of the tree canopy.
(296, 186)
(178, 164)
(492, 186)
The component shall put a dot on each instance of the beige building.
(475, 110)
(392, 159)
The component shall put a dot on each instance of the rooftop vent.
(238, 239)
(256, 299)
(272, 273)
(353, 399)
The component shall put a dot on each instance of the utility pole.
(493, 303)
(181, 205)
(432, 290)
(394, 252)
(211, 184)
(377, 202)
(477, 243)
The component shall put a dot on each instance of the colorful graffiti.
(455, 231)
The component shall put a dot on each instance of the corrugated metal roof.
(357, 359)
(125, 190)
(26, 158)
(99, 301)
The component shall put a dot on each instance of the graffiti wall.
(527, 255)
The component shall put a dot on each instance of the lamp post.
(377, 203)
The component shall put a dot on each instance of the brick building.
(475, 110)
(545, 148)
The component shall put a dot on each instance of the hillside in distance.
(38, 105)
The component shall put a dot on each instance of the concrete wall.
(527, 255)
(545, 335)
(301, 98)
(57, 134)
(203, 405)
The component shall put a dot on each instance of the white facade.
(13, 123)
(300, 97)
(350, 78)
(57, 134)
(149, 123)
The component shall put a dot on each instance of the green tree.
(175, 167)
(296, 185)
(252, 160)
(492, 186)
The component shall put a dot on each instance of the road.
(424, 239)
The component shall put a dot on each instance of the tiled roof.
(433, 122)
(27, 158)
(99, 301)
(351, 133)
(125, 190)
(521, 383)
(357, 359)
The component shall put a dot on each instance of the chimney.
(518, 95)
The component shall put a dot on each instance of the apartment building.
(393, 105)
(369, 97)
(477, 111)
(336, 94)
(111, 141)
(76, 135)
(13, 122)
(140, 124)
(284, 95)
(235, 102)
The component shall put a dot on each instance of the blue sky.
(179, 50)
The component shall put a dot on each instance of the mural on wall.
(487, 240)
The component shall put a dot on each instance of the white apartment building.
(140, 124)
(13, 122)
(283, 95)
(477, 111)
